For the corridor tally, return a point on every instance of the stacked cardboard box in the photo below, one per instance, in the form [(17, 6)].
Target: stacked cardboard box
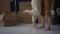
[(5, 5), (10, 20), (24, 5), (24, 18)]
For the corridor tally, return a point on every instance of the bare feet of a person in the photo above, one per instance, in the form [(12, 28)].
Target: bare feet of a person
[(48, 29), (49, 24), (42, 26), (34, 26)]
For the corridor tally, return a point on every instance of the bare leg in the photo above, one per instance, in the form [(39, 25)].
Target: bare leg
[(42, 22), (42, 16), (48, 6), (33, 21), (49, 23)]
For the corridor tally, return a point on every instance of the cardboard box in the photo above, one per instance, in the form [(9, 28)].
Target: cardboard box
[(4, 5), (1, 23), (24, 18), (10, 20), (24, 5), (4, 0)]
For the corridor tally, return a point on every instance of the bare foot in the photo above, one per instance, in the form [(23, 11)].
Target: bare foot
[(34, 26), (42, 27), (48, 29)]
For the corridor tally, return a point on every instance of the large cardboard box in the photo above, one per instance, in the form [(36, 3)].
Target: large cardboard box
[(10, 20), (24, 18), (24, 5), (4, 5), (1, 23), (5, 0)]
